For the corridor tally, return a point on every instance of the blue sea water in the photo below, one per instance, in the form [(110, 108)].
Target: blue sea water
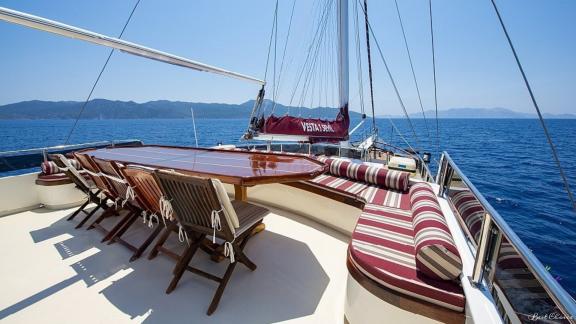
[(508, 160)]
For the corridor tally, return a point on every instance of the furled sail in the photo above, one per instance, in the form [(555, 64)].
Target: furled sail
[(315, 129)]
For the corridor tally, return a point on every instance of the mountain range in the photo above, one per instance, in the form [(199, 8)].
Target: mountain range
[(165, 109)]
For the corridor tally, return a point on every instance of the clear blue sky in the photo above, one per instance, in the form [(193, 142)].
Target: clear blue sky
[(475, 66)]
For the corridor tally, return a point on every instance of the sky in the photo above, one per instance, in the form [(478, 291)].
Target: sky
[(475, 67)]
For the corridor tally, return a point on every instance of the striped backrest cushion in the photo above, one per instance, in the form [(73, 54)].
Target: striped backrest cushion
[(389, 179), (470, 210), (436, 253), (49, 167)]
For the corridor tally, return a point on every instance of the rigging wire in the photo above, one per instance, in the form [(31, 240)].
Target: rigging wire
[(313, 63), (277, 89), (99, 76), (392, 80), (308, 55), (411, 66), (274, 22), (529, 88), (434, 77), (368, 29)]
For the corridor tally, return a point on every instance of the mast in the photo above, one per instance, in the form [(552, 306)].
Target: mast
[(343, 86)]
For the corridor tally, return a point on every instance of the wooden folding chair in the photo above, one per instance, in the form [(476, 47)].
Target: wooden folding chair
[(108, 190), (84, 185), (142, 180), (202, 208), (130, 201)]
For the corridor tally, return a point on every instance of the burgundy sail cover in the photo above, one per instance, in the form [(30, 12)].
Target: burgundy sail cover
[(317, 130)]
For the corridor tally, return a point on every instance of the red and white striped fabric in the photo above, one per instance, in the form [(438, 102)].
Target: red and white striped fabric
[(385, 197), (49, 167), (341, 184), (436, 252), (389, 179), (470, 210), (382, 248), (472, 213)]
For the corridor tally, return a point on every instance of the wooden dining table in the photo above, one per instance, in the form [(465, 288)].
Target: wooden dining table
[(241, 168)]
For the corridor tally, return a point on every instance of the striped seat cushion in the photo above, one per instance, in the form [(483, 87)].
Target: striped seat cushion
[(340, 184), (382, 248), (396, 180), (470, 210), (436, 252), (386, 197)]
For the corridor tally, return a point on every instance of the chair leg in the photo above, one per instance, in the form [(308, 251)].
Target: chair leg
[(81, 208), (146, 243), (121, 227), (183, 263), (242, 258), (220, 290), (109, 212), (167, 231), (239, 253), (88, 215)]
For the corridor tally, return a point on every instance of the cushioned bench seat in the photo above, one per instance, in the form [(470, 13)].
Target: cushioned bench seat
[(401, 241), (383, 249), (340, 184), (386, 197)]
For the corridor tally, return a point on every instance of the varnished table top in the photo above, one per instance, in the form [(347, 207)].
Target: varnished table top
[(243, 168)]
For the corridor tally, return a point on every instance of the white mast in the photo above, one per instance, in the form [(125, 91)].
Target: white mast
[(343, 52), (58, 28)]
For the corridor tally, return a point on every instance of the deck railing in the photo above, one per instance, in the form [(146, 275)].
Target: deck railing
[(31, 158), (522, 287)]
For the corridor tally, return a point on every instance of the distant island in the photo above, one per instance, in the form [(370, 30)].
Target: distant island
[(164, 109)]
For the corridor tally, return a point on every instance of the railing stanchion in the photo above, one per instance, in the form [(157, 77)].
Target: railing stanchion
[(482, 250)]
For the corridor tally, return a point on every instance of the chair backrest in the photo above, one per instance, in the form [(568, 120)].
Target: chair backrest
[(193, 200), (87, 164), (114, 179), (147, 190), (72, 173)]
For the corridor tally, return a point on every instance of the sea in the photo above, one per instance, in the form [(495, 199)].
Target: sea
[(508, 160)]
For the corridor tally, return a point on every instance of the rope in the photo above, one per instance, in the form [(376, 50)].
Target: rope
[(217, 226), (548, 137), (216, 223), (150, 220), (166, 209), (99, 76), (182, 235), (229, 251), (411, 65), (92, 173), (434, 75)]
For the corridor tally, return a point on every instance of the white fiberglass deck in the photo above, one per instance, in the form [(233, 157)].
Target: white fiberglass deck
[(53, 273)]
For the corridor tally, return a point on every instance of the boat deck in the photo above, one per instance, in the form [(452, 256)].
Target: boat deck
[(54, 273)]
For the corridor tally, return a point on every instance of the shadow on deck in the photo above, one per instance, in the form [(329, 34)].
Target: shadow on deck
[(289, 282)]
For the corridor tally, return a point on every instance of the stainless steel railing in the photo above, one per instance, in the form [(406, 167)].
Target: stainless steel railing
[(494, 231), (29, 158)]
